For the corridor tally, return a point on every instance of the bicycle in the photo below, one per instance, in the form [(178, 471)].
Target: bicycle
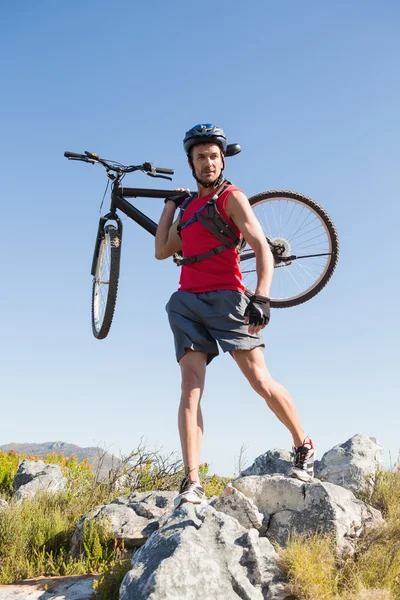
[(297, 229)]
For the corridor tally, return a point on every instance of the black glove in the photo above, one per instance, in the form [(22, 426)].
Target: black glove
[(258, 310), (178, 198)]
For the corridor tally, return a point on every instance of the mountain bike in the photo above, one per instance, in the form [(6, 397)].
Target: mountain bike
[(300, 233)]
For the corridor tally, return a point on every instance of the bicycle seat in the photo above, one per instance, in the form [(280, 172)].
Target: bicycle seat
[(232, 149)]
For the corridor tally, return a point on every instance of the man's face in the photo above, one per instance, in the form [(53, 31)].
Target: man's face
[(208, 162)]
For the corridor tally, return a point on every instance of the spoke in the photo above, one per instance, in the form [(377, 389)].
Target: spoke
[(289, 237), (303, 270), (314, 238), (273, 214), (309, 242), (308, 269), (318, 244), (305, 224), (268, 228)]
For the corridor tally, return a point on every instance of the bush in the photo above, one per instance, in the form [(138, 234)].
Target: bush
[(8, 468), (107, 588), (35, 536)]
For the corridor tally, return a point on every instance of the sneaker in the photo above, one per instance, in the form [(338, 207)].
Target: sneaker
[(190, 491), (303, 461)]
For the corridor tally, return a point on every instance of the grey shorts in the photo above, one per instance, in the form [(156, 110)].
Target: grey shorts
[(199, 321)]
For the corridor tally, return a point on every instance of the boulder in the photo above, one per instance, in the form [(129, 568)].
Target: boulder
[(289, 505), (202, 554), (353, 464), (130, 518), (237, 505), (273, 462), (35, 476)]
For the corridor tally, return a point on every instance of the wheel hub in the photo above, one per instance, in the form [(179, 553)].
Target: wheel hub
[(280, 247)]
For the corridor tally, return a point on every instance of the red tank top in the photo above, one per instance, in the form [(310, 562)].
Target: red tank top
[(219, 272)]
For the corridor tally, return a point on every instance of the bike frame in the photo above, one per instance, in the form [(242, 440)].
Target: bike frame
[(119, 201)]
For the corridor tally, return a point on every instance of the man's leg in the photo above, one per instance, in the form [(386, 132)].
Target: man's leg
[(190, 420), (252, 365)]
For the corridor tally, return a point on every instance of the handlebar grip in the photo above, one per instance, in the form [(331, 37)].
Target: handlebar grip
[(74, 155), (165, 171)]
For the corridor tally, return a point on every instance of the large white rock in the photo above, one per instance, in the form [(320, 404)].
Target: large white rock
[(291, 505), (352, 464), (131, 518), (34, 476), (202, 554)]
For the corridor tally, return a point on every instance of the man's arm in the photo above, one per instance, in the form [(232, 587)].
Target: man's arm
[(239, 210), (168, 242)]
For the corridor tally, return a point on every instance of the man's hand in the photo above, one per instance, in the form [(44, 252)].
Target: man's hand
[(257, 314), (179, 198)]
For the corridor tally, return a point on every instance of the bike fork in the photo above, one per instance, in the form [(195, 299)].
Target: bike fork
[(101, 234)]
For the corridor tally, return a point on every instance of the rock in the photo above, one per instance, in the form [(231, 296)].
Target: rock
[(202, 554), (77, 587), (272, 462), (131, 518), (237, 505), (292, 505), (352, 464), (3, 503), (35, 476)]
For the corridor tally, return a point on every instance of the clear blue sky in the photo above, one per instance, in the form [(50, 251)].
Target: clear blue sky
[(311, 91)]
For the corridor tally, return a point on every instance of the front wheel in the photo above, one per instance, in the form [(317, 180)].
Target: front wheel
[(304, 243), (105, 281)]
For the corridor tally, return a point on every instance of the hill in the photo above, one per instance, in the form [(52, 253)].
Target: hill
[(101, 460)]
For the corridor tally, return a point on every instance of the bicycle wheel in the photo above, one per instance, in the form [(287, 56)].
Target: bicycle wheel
[(105, 282), (304, 243)]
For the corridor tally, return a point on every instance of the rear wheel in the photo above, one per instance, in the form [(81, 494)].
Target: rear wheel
[(304, 243), (105, 281)]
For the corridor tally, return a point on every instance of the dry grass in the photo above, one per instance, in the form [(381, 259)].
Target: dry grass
[(316, 572)]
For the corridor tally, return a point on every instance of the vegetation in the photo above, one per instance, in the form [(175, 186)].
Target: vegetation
[(316, 572), (36, 534)]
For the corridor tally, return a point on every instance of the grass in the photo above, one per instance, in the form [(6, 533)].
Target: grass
[(316, 572), (35, 535)]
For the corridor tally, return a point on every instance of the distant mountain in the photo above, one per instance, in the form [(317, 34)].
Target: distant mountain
[(101, 460)]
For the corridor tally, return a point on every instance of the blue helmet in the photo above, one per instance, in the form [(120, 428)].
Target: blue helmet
[(203, 133)]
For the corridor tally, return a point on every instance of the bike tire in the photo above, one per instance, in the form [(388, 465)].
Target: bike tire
[(329, 233), (105, 288)]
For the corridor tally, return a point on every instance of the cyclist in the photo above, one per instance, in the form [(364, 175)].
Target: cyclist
[(211, 306)]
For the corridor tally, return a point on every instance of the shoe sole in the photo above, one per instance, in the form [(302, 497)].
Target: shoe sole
[(185, 501), (302, 475)]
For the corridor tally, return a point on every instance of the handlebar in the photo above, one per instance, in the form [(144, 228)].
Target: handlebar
[(74, 156), (146, 167), (166, 171)]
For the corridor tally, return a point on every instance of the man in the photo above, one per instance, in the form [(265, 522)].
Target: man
[(210, 305)]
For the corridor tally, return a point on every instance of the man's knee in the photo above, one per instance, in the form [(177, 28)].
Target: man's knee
[(262, 383), (193, 368)]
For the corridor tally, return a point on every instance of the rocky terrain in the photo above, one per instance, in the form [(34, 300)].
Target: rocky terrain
[(224, 548)]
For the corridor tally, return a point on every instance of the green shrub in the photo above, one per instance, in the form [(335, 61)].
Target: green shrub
[(35, 536), (107, 588), (8, 468)]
